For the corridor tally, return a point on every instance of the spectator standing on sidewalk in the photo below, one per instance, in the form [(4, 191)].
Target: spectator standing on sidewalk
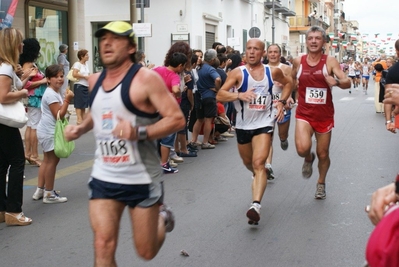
[(80, 88), (170, 75), (126, 104), (63, 61), (208, 85), (36, 86), (53, 105), (11, 146)]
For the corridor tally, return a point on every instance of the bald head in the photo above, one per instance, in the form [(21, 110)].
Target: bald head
[(258, 42)]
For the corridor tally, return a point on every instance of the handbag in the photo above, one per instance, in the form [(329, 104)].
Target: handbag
[(222, 120), (71, 77), (62, 147), (13, 114)]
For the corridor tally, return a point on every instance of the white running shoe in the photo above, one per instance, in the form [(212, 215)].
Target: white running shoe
[(253, 214), (38, 194), (52, 198)]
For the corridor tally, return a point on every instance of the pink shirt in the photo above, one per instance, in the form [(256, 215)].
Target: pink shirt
[(170, 78)]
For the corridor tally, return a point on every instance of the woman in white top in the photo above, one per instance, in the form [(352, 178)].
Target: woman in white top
[(80, 88), (11, 146)]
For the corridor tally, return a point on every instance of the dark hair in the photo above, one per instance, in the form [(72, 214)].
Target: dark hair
[(194, 59), (378, 67), (82, 53), (215, 63), (53, 70), (220, 49), (181, 47), (216, 44), (177, 59), (31, 51), (235, 61), (222, 58)]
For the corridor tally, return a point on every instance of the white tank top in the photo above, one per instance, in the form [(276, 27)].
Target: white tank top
[(258, 113), (118, 160)]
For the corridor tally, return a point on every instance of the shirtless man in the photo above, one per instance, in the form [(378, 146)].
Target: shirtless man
[(252, 95)]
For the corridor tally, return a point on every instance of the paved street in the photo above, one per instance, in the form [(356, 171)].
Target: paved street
[(210, 196)]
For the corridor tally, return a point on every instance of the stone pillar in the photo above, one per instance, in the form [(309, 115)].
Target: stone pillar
[(73, 29)]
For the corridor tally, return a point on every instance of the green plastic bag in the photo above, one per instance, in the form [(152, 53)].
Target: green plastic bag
[(62, 148)]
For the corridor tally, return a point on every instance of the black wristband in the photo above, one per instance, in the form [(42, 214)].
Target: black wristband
[(397, 185)]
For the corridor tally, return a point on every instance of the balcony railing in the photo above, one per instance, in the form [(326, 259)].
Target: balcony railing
[(304, 21), (279, 8)]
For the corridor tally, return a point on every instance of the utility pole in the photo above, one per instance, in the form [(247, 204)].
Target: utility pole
[(133, 12), (273, 27)]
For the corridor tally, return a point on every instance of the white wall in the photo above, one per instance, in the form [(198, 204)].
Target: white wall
[(165, 18)]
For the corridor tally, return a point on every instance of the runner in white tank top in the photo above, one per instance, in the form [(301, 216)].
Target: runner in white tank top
[(274, 55), (252, 96)]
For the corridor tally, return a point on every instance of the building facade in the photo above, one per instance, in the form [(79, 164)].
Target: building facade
[(200, 23)]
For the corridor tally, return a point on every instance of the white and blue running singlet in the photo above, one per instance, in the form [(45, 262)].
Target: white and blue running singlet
[(257, 113)]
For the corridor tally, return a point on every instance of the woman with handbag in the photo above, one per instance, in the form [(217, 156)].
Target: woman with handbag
[(52, 106), (11, 146), (36, 87), (80, 88)]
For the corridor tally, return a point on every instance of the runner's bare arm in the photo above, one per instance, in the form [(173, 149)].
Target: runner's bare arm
[(152, 90), (285, 80), (341, 80), (233, 79)]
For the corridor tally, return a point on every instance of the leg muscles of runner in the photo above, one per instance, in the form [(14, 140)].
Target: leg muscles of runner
[(303, 139), (149, 230), (323, 154), (245, 151), (260, 148), (105, 215), (283, 129)]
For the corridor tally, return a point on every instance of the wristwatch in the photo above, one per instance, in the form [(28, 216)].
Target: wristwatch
[(388, 122), (397, 186), (283, 101), (141, 133)]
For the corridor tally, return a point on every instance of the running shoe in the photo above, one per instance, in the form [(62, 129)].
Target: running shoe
[(320, 191), (53, 198), (167, 169), (253, 214), (38, 194), (284, 144), (307, 168), (269, 172), (168, 217), (207, 146)]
